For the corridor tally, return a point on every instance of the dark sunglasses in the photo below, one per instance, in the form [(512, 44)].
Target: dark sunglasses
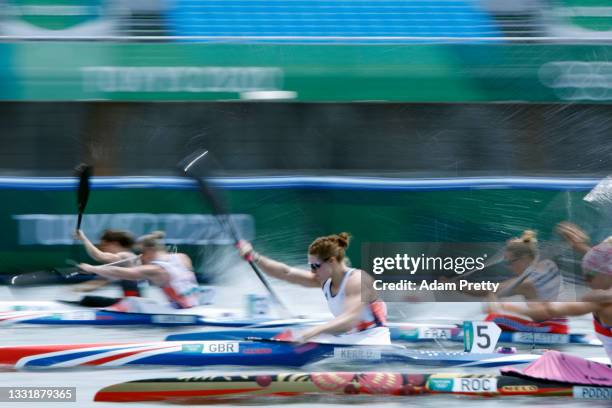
[(315, 266)]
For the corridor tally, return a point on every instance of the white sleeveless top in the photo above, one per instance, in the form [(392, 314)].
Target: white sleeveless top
[(182, 287), (336, 303), (546, 280)]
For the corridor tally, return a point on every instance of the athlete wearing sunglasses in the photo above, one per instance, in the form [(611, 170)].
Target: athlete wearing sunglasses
[(359, 317)]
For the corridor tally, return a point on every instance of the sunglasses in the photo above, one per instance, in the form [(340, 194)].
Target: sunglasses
[(589, 276), (315, 266)]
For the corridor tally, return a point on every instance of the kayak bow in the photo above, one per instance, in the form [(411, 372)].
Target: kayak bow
[(193, 354)]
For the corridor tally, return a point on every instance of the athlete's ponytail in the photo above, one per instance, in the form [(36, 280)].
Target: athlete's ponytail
[(330, 246), (526, 245), (154, 240)]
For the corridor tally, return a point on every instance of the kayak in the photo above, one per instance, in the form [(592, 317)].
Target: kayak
[(191, 389), (192, 354), (266, 330), (41, 313), (405, 332), (199, 316), (70, 313), (244, 353), (60, 313)]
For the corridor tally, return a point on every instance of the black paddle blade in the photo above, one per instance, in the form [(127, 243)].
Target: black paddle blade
[(37, 278), (198, 166), (83, 172)]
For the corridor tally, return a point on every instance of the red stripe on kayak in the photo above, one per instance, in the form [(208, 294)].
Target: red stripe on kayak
[(13, 316), (127, 396), (12, 354), (536, 390), (107, 359)]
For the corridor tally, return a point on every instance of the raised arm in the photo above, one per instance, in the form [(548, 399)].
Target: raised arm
[(278, 269), (95, 253), (574, 236)]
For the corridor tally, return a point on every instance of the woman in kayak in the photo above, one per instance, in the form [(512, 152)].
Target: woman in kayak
[(597, 270), (173, 273), (359, 316), (115, 246), (535, 281)]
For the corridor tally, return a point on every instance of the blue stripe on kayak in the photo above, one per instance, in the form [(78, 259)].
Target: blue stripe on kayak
[(257, 353), (49, 361), (103, 318), (250, 353), (281, 182)]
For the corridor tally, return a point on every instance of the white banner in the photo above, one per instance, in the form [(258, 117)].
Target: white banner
[(190, 229)]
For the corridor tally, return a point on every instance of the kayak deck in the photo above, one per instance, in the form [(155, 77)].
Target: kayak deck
[(205, 316), (243, 353), (403, 332), (37, 313), (192, 354), (373, 383)]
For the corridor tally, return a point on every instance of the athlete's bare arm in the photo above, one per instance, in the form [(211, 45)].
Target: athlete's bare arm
[(288, 273), (278, 269), (95, 253), (548, 310), (154, 273)]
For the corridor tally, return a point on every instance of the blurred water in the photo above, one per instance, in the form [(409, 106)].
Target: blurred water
[(301, 301)]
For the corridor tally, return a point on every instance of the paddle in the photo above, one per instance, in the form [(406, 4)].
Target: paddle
[(222, 215), (83, 172), (269, 340), (52, 275), (37, 278), (120, 261)]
